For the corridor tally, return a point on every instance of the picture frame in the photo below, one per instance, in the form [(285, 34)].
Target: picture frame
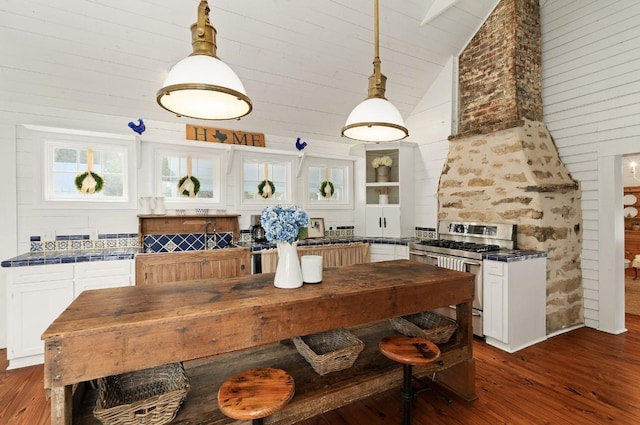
[(316, 228)]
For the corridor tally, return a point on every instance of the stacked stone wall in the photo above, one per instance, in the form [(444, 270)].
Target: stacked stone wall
[(516, 176)]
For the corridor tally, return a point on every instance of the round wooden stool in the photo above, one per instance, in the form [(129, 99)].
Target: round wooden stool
[(410, 351), (255, 394)]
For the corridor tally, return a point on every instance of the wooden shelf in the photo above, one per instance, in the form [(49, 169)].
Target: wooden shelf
[(372, 373)]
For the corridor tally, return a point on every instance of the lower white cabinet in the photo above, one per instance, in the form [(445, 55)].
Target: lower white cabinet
[(384, 252), (36, 295), (103, 274), (514, 303)]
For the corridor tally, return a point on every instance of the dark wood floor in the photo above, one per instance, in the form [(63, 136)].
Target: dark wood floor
[(581, 377)]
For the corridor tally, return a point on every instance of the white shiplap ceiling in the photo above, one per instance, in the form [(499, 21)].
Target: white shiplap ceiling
[(304, 63)]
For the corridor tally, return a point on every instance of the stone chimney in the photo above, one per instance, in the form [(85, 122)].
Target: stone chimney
[(503, 166)]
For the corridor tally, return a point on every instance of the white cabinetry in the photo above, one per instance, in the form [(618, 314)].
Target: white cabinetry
[(514, 303), (396, 205), (383, 221), (36, 295), (384, 252), (103, 274)]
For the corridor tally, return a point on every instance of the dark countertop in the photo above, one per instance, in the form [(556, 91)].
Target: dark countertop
[(510, 255), (258, 246), (38, 258)]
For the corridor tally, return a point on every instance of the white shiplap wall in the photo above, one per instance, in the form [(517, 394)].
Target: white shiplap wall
[(591, 87), (430, 126)]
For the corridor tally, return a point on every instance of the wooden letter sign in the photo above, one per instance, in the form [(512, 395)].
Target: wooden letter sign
[(220, 135)]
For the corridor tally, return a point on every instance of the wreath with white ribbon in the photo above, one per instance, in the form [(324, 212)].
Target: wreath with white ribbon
[(188, 185), (326, 189), (89, 182), (266, 188)]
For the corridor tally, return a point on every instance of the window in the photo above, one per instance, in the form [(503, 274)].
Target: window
[(85, 169), (338, 175), (176, 169), (68, 161), (257, 172)]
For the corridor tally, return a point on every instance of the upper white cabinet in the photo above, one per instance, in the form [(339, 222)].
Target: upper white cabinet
[(385, 190), (383, 221)]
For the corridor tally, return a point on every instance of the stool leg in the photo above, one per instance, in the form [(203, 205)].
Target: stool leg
[(258, 421), (407, 394)]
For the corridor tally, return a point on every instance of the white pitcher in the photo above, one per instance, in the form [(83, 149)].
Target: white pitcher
[(146, 204), (158, 206)]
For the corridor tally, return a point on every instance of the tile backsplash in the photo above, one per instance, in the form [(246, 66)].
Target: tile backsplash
[(84, 242)]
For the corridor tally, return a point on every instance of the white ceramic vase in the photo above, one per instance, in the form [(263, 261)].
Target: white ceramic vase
[(288, 272), (383, 199)]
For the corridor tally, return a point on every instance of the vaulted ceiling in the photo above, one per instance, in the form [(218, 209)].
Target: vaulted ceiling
[(304, 63)]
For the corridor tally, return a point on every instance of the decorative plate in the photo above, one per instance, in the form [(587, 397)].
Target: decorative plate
[(630, 212), (629, 199)]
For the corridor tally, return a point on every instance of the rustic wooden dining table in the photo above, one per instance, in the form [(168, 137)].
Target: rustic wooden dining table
[(111, 331)]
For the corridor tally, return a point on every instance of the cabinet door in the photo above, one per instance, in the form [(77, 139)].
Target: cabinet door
[(373, 222), (494, 293), (32, 307), (226, 263), (170, 267), (383, 221)]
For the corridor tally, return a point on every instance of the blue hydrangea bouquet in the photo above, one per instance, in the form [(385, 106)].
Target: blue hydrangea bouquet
[(284, 224)]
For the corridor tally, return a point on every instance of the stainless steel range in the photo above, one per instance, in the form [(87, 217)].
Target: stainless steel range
[(461, 246)]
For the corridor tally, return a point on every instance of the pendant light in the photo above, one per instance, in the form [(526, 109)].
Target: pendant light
[(375, 119), (201, 85)]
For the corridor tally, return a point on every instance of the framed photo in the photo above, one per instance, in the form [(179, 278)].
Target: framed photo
[(316, 228)]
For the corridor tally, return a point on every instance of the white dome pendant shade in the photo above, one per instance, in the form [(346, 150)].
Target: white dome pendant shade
[(375, 119), (201, 85)]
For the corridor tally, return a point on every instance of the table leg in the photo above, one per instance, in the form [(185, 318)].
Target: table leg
[(61, 405), (635, 272)]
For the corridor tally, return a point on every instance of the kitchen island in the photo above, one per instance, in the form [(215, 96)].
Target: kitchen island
[(112, 331)]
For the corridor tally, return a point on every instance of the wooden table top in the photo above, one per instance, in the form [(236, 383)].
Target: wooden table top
[(109, 331)]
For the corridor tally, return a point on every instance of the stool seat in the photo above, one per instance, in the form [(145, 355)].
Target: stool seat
[(410, 350), (255, 393)]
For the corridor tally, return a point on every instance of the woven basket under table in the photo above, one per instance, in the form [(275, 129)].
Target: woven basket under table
[(329, 351), (145, 397), (428, 324)]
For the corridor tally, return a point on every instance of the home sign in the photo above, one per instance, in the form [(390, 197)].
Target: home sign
[(221, 135)]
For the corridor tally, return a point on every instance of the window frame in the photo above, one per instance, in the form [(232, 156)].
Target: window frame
[(255, 157), (47, 139), (320, 161), (219, 177)]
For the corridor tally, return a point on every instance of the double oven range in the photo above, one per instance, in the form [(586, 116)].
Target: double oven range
[(461, 246)]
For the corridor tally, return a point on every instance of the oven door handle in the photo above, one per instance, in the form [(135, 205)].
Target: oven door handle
[(464, 260)]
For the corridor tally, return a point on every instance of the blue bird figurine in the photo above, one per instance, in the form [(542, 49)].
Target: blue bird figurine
[(138, 128), (300, 144)]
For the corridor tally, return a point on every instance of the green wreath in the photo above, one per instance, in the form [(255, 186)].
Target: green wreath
[(323, 186), (79, 180), (196, 185), (261, 186)]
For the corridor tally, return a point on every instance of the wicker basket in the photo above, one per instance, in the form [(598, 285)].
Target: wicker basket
[(330, 351), (428, 324), (146, 397)]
